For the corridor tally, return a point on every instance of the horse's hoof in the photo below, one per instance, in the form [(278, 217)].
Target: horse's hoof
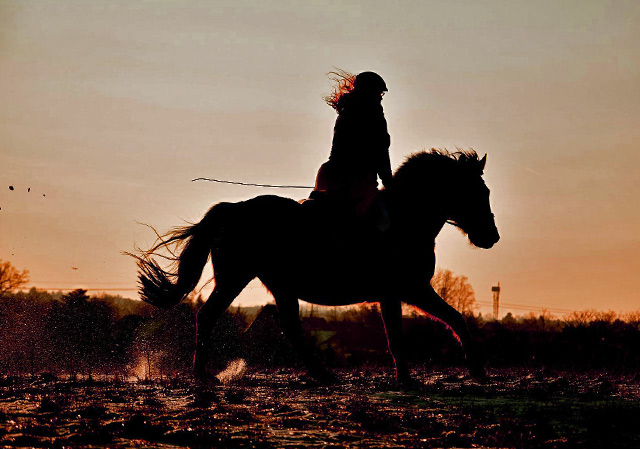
[(409, 384), (203, 377), (208, 382), (203, 398), (479, 374), (325, 377)]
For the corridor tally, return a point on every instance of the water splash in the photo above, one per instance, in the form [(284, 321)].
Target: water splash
[(140, 371), (233, 372)]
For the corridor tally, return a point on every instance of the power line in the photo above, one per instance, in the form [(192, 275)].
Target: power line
[(534, 306), (528, 308), (112, 289), (71, 282), (508, 305), (123, 289)]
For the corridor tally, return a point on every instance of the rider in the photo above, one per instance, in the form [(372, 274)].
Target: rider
[(360, 148)]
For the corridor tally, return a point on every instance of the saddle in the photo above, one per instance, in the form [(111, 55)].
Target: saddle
[(346, 217)]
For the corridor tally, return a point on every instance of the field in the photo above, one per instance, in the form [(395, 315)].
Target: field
[(282, 409)]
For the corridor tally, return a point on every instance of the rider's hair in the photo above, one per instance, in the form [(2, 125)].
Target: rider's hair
[(344, 82)]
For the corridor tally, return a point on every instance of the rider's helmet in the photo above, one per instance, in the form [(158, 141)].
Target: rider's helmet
[(369, 82)]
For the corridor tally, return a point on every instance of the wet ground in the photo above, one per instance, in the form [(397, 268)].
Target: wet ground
[(281, 409)]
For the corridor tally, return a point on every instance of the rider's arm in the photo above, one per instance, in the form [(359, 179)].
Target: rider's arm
[(384, 163)]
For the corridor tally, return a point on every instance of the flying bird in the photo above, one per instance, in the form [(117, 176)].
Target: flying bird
[(10, 187)]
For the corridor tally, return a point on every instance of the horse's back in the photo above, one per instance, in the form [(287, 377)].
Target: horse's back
[(269, 214), (255, 226), (273, 203), (258, 211)]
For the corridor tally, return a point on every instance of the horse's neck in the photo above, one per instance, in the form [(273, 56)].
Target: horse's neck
[(416, 216)]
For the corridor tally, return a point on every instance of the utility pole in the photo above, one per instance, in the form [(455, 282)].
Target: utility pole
[(496, 300)]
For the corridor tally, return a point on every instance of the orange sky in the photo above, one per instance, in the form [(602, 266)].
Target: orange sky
[(111, 108)]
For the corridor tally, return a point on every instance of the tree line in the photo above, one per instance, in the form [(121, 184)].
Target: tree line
[(74, 334), (77, 335)]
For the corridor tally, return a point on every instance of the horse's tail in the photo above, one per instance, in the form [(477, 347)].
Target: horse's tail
[(164, 288)]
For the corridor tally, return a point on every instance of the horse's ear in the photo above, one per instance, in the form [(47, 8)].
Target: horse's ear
[(483, 161)]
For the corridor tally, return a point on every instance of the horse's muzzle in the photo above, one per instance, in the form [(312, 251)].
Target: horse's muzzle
[(485, 240)]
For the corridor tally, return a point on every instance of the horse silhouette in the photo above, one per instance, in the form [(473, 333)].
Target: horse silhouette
[(300, 253)]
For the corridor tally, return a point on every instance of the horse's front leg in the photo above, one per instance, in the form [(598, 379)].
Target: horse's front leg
[(392, 316), (289, 311), (430, 302)]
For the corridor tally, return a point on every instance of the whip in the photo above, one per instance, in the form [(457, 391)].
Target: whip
[(275, 186)]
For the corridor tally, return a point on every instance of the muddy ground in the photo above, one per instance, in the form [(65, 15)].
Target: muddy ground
[(281, 409)]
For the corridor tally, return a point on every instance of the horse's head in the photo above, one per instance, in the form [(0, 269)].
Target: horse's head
[(452, 186), (469, 208)]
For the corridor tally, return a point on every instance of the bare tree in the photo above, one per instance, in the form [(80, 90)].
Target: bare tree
[(580, 317), (456, 290), (10, 278)]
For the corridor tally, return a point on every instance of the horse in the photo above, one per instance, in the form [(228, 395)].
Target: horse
[(300, 253)]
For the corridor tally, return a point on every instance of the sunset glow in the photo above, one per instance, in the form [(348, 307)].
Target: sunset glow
[(108, 110)]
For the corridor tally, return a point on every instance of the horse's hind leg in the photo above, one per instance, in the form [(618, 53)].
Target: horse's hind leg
[(223, 294), (430, 302), (289, 311)]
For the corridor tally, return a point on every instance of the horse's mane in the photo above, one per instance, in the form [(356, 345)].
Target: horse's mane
[(437, 164)]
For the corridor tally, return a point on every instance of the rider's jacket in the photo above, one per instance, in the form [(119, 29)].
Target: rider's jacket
[(359, 152), (361, 142)]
